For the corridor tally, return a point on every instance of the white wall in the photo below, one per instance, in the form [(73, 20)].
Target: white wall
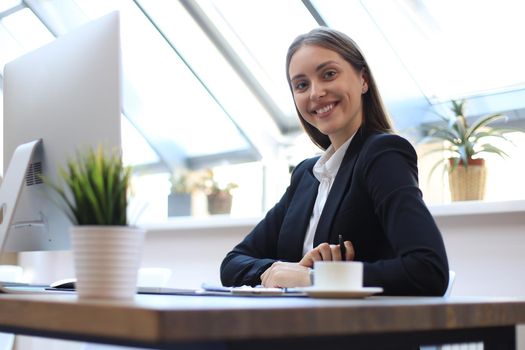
[(487, 251), (193, 254)]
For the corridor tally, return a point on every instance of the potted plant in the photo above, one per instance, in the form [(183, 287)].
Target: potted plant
[(179, 199), (463, 147), (106, 249), (218, 195)]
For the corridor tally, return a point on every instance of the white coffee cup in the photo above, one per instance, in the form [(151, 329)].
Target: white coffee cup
[(338, 275)]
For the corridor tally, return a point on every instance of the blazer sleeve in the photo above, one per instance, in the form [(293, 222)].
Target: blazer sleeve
[(258, 250), (420, 265)]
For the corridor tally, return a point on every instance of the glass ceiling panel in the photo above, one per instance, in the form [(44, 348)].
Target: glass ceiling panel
[(21, 32), (161, 95), (260, 32), (10, 47), (220, 78), (456, 48), (135, 149), (60, 16), (8, 4)]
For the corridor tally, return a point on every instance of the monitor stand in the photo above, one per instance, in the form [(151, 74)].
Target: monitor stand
[(10, 189)]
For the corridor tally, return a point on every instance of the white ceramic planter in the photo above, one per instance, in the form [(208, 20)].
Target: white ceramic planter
[(107, 259)]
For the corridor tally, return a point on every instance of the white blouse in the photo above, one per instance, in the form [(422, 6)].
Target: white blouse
[(325, 171)]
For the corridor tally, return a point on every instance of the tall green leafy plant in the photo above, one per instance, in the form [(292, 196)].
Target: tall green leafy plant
[(462, 141), (96, 188)]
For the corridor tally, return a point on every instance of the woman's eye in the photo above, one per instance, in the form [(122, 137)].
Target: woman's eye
[(329, 74), (300, 85)]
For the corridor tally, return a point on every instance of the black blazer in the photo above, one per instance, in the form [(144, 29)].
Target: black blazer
[(374, 202)]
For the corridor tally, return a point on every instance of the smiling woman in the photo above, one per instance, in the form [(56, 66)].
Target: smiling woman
[(350, 62), (363, 191), (327, 92)]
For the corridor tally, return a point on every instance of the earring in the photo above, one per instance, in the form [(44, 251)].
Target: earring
[(364, 90)]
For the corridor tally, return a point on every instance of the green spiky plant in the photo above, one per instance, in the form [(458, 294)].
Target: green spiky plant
[(463, 142), (96, 188)]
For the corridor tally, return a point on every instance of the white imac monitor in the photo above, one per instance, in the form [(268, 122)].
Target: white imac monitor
[(68, 94)]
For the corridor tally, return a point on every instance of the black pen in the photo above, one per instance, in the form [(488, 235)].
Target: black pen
[(342, 247)]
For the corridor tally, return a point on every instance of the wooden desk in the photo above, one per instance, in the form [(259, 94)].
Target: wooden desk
[(201, 322)]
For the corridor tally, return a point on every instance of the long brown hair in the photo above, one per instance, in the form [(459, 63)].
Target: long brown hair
[(375, 117)]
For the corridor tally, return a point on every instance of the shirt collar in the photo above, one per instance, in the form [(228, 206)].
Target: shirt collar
[(329, 163)]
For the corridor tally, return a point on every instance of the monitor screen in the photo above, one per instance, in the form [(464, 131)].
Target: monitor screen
[(68, 94)]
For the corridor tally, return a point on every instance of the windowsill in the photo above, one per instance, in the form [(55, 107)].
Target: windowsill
[(455, 209), (188, 223), (476, 208)]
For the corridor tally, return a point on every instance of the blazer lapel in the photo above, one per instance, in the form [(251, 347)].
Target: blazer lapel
[(293, 229), (339, 188)]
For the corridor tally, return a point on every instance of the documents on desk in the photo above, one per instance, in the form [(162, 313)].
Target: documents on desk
[(250, 291)]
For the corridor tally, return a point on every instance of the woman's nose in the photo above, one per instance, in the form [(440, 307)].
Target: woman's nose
[(317, 91)]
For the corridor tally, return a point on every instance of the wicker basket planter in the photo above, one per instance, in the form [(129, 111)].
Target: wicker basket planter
[(468, 183), (219, 203)]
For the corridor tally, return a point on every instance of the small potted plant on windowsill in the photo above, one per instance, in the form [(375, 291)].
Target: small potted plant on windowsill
[(463, 147), (219, 196), (179, 199), (106, 249)]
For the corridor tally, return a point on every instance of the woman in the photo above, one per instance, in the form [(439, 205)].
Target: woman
[(364, 187)]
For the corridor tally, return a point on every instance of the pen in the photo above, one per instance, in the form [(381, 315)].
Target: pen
[(342, 247)]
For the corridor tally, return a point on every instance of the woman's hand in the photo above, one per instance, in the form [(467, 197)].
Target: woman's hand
[(285, 275), (327, 252)]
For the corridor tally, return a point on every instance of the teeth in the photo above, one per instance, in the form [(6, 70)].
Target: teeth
[(325, 109)]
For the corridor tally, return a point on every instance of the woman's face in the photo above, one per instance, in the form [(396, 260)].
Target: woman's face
[(327, 91)]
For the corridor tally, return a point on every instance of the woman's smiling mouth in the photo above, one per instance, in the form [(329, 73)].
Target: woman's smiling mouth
[(325, 110)]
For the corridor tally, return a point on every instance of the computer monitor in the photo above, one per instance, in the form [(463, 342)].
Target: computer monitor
[(68, 95)]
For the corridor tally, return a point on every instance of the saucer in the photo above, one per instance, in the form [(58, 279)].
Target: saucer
[(316, 292)]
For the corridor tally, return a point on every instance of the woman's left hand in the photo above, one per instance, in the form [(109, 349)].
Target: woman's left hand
[(327, 252), (285, 275)]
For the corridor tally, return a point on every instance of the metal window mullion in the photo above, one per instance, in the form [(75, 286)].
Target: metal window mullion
[(315, 14), (12, 10), (40, 18), (235, 61)]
